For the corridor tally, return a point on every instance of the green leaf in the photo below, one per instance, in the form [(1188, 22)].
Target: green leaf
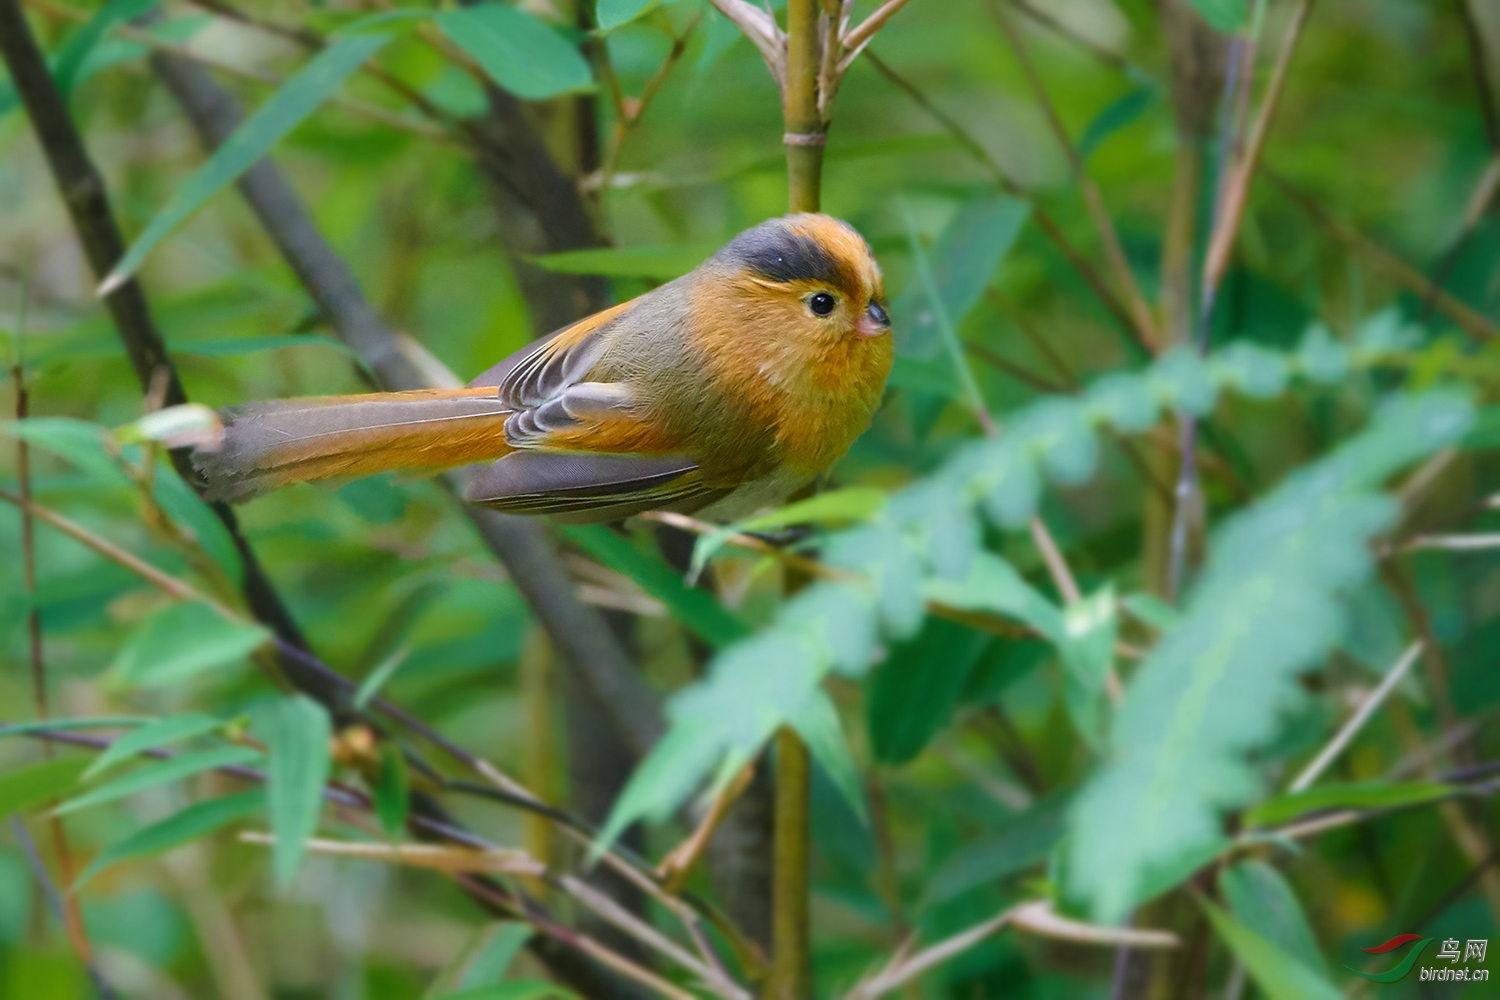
[(1151, 610), (198, 521), (516, 989), (377, 678), (83, 444), (915, 692), (1280, 974), (233, 347), (1359, 795), (392, 791), (24, 789), (66, 70), (1226, 15), (1262, 901), (613, 13), (159, 773), (994, 585), (496, 949), (1022, 841), (849, 505), (818, 724), (963, 262), (1087, 645), (288, 107), (181, 641), (1121, 112), (193, 823), (154, 734), (520, 53), (297, 736), (697, 609), (1216, 686), (651, 263), (67, 725)]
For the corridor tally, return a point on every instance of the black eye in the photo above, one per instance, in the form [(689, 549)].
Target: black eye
[(822, 303)]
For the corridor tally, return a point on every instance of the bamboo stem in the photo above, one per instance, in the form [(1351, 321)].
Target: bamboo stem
[(791, 964), (805, 128)]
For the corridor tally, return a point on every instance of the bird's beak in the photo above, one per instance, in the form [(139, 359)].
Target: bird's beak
[(874, 321)]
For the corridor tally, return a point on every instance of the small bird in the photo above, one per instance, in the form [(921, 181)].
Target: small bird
[(719, 393)]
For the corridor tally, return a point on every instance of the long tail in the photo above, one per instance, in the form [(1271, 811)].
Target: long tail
[(279, 442)]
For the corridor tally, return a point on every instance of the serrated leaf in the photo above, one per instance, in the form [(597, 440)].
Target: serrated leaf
[(994, 585), (1263, 902), (1253, 370), (817, 722), (23, 789), (193, 823), (269, 124), (697, 609), (1215, 687), (1087, 645), (1274, 970), (159, 773), (1058, 433), (182, 641), (1321, 357), (1123, 399), (914, 693), (297, 735), (1184, 381), (154, 734), (517, 51)]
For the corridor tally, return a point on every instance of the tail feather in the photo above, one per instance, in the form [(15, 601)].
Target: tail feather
[(279, 442)]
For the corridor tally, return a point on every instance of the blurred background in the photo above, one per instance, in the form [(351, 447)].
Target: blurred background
[(474, 217)]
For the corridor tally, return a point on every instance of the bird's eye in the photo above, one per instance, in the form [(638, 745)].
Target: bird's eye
[(822, 303)]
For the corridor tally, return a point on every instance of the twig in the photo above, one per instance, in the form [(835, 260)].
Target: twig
[(1114, 253), (59, 904), (680, 861), (1037, 917), (496, 861), (1469, 320), (1452, 543), (1356, 721), (1062, 30), (856, 39)]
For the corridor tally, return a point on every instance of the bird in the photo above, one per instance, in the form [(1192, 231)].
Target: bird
[(718, 394)]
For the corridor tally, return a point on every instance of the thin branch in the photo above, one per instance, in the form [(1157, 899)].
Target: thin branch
[(1037, 917), (1356, 721), (1114, 253), (495, 861), (760, 27), (855, 40)]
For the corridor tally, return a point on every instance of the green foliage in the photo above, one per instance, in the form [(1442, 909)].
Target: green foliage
[(156, 733), (270, 123), (1360, 795), (191, 823), (520, 53), (1279, 973), (164, 772), (23, 789), (1263, 902), (1214, 689), (922, 546), (297, 734), (181, 641)]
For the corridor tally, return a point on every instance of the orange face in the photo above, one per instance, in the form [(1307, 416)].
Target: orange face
[(795, 323)]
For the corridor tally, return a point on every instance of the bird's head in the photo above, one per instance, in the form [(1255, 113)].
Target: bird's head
[(809, 275)]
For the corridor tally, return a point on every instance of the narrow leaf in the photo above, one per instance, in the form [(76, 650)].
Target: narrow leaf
[(377, 678), (158, 733), (392, 791), (194, 822), (495, 953), (915, 692), (1358, 795), (162, 773), (1280, 974), (651, 263), (1263, 902), (613, 13), (818, 724), (182, 641), (31, 786), (520, 53), (288, 107), (297, 736), (697, 609)]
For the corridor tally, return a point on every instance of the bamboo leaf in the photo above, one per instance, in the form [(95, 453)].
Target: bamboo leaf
[(273, 121), (36, 784), (193, 823), (1280, 974), (517, 51), (160, 773), (154, 734), (1359, 795), (297, 736), (182, 641)]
